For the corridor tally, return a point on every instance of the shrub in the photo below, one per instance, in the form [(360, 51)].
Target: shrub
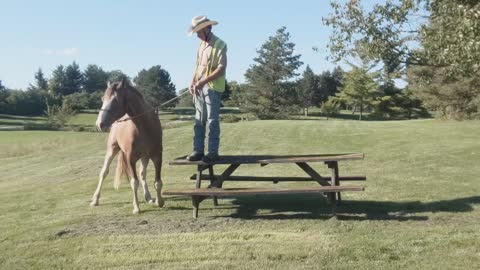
[(58, 116)]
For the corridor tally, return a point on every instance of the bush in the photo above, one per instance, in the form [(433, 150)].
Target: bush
[(230, 118), (83, 100), (18, 102), (330, 107), (58, 116)]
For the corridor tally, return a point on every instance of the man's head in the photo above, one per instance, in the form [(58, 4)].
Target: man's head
[(202, 26), (204, 33)]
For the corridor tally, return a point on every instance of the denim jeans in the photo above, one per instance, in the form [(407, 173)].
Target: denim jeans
[(207, 107)]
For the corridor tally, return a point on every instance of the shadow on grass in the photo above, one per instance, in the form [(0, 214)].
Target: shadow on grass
[(315, 207)]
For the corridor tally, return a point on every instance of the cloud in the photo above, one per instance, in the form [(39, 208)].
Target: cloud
[(63, 52)]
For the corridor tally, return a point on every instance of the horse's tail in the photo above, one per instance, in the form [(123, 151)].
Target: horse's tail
[(121, 165)]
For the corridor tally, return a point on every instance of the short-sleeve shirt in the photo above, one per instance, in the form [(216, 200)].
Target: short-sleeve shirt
[(205, 54)]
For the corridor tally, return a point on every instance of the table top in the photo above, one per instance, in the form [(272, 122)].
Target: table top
[(267, 159)]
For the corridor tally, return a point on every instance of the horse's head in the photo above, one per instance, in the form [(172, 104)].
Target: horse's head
[(114, 104)]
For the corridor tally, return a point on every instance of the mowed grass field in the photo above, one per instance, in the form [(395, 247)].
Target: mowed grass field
[(420, 210)]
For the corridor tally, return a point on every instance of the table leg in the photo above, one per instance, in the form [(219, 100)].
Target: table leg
[(198, 182), (335, 197), (212, 180), (196, 205), (337, 182)]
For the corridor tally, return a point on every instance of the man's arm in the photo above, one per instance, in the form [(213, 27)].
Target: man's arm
[(218, 72)]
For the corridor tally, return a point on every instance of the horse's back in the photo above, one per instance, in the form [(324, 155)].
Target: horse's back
[(132, 138)]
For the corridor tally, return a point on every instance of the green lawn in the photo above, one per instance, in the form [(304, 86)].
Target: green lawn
[(420, 210)]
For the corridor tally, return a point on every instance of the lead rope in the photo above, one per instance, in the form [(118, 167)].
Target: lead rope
[(152, 109)]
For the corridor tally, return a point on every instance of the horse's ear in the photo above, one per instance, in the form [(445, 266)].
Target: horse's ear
[(109, 84)]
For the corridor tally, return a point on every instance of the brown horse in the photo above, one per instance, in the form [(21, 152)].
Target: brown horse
[(136, 134)]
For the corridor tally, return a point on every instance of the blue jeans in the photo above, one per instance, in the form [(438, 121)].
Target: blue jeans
[(207, 107)]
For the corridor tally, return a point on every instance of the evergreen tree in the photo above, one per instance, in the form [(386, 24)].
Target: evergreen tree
[(156, 86), (3, 98), (95, 79), (359, 89), (40, 82), (308, 86), (116, 75), (57, 82), (268, 94), (73, 79)]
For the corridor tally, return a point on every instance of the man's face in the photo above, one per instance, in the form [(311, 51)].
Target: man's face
[(203, 34)]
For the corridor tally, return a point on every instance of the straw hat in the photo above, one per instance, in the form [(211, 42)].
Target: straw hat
[(198, 23)]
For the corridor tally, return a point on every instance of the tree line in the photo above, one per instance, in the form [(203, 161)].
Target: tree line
[(71, 87), (432, 45)]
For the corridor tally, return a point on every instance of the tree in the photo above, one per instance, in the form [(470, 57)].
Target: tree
[(359, 88), (395, 103), (117, 75), (3, 98), (451, 98), (237, 96), (268, 94), (95, 79), (227, 93), (156, 86), (429, 38), (58, 81), (329, 83), (40, 82), (185, 100), (308, 86), (330, 107), (73, 79)]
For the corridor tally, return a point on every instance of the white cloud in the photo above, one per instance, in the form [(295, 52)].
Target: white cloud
[(63, 52)]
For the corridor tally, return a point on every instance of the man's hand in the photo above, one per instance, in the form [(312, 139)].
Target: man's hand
[(191, 89), (199, 86)]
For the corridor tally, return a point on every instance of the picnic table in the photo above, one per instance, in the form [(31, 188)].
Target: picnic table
[(328, 185)]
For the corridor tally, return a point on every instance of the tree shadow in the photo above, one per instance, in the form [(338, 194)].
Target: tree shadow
[(316, 207)]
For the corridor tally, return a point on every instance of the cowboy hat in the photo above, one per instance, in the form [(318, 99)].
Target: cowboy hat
[(198, 23)]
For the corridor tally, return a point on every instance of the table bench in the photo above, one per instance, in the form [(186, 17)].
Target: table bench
[(329, 185)]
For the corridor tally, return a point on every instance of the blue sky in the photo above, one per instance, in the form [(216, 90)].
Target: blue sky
[(133, 35)]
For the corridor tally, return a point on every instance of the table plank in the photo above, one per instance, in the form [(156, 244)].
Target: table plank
[(266, 159), (259, 191)]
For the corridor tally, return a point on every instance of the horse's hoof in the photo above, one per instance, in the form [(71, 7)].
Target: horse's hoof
[(92, 204), (152, 200), (136, 211), (160, 203)]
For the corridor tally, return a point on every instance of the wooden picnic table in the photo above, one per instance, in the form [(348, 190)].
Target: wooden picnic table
[(328, 185)]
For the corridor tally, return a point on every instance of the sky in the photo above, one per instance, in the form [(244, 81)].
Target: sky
[(130, 35)]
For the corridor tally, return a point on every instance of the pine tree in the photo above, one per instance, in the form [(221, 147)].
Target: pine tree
[(73, 79), (57, 82), (156, 86), (40, 82), (359, 89), (307, 87), (269, 95), (95, 79)]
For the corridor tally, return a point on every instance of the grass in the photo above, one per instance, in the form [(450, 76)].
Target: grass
[(420, 209)]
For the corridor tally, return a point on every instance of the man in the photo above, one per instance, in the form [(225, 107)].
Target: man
[(207, 85)]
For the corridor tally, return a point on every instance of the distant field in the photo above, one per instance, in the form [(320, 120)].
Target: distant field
[(86, 119), (420, 210)]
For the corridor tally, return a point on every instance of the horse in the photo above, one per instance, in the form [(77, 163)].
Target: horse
[(135, 134)]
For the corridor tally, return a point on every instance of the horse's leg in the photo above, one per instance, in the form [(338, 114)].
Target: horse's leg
[(143, 181), (112, 151), (158, 181), (134, 184)]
